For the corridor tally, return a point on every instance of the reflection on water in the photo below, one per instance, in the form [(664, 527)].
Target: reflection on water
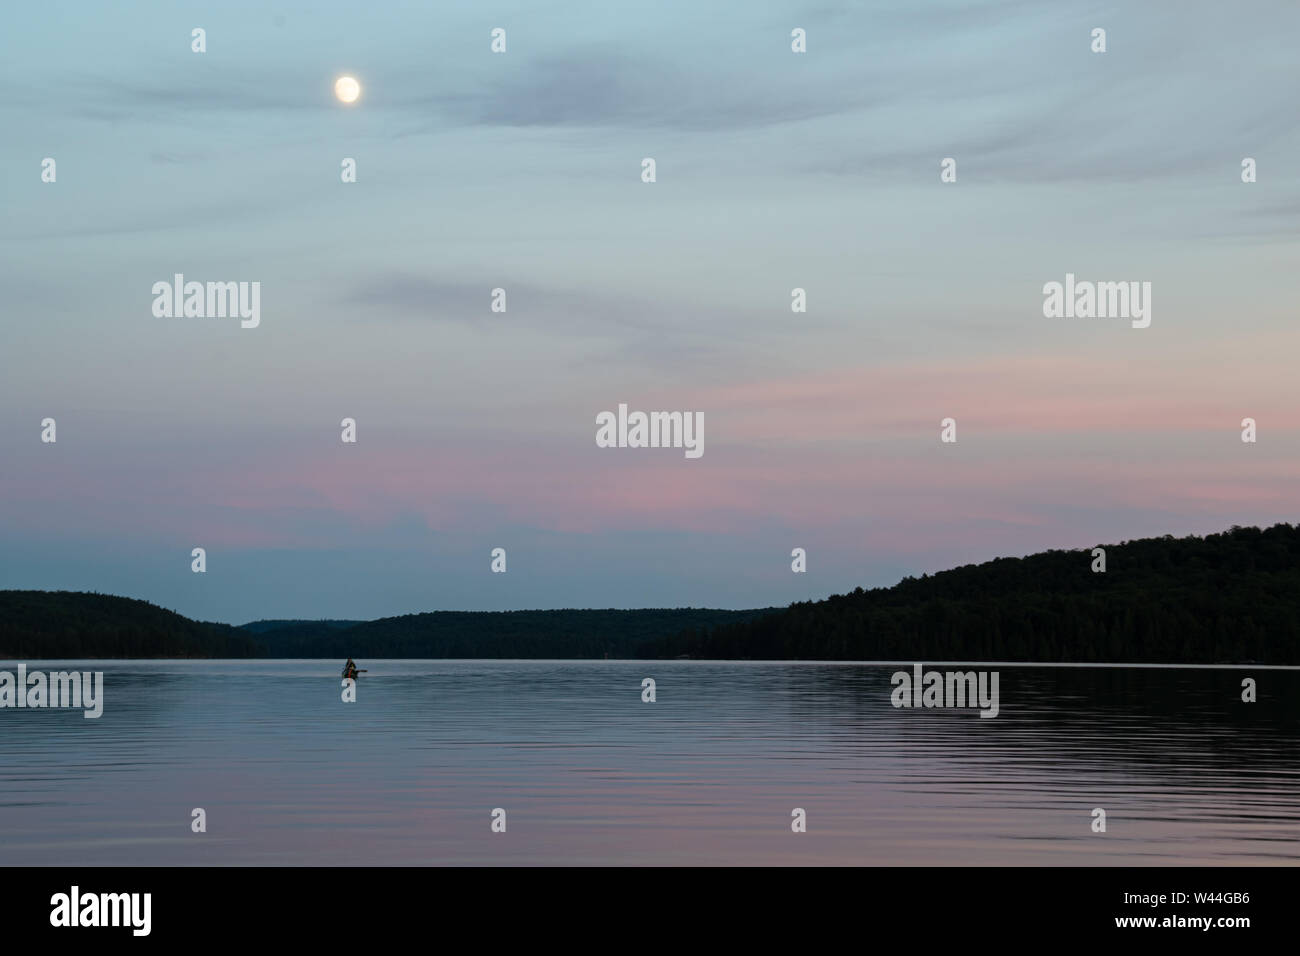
[(588, 774)]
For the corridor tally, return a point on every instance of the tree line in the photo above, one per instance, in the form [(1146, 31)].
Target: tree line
[(1230, 597)]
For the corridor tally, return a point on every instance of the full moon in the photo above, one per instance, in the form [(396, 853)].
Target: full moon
[(347, 89)]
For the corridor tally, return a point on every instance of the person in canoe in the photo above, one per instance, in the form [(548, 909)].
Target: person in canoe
[(350, 671)]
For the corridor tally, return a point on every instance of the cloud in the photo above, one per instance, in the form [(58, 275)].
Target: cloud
[(593, 88), (677, 336)]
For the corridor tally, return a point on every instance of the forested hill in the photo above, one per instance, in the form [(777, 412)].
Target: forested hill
[(70, 624), (501, 634), (74, 624), (1231, 597)]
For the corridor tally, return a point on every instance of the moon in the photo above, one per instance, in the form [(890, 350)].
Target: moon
[(347, 89)]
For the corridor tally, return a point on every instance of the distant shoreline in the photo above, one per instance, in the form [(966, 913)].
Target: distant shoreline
[(1222, 599), (1083, 665)]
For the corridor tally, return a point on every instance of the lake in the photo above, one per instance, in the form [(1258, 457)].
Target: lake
[(709, 773)]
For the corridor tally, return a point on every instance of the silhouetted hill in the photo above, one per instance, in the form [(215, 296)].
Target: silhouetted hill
[(502, 634), (72, 624), (1231, 597), (261, 627)]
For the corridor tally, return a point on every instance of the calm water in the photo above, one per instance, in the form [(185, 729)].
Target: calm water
[(588, 774)]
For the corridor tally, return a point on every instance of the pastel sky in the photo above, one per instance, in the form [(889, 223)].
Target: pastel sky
[(522, 170)]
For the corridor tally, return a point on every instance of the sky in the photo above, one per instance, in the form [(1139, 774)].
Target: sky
[(522, 170)]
